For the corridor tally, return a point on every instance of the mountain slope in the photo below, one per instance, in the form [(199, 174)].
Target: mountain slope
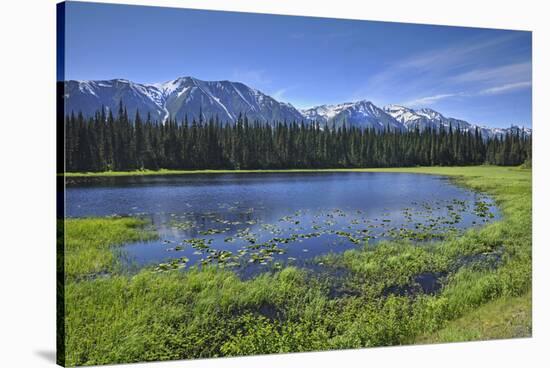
[(423, 118), (188, 97), (362, 114), (179, 98), (427, 118), (89, 96)]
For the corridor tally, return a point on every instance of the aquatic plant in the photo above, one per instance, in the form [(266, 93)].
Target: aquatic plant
[(363, 302)]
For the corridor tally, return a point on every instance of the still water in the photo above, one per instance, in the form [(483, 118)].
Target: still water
[(262, 221)]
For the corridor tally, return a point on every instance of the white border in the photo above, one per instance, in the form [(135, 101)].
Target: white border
[(27, 205)]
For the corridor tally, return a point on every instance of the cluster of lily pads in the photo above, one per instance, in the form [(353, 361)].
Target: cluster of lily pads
[(237, 239)]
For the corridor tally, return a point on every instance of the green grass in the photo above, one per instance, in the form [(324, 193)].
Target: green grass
[(453, 171), (506, 317), (184, 172), (211, 312), (89, 243)]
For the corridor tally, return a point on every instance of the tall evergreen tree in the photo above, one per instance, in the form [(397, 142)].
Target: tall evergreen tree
[(106, 142)]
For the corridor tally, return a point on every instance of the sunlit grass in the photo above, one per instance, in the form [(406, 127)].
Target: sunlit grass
[(505, 317), (211, 312), (89, 242), (499, 171)]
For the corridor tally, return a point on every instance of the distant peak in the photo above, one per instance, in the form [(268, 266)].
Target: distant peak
[(396, 107), (362, 102), (427, 110), (228, 98)]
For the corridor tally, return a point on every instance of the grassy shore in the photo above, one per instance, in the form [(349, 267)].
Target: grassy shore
[(452, 171), (211, 312), (188, 172), (504, 317), (89, 242)]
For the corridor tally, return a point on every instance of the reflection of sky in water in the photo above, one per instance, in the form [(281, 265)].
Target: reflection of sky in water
[(262, 207)]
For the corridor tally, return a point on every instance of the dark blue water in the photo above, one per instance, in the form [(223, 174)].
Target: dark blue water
[(262, 221)]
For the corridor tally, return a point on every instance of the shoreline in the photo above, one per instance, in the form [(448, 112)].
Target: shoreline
[(476, 302), (162, 172)]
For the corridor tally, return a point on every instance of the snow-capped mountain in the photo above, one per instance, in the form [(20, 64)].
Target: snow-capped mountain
[(427, 118), (185, 96), (89, 96), (190, 97), (360, 114), (424, 118)]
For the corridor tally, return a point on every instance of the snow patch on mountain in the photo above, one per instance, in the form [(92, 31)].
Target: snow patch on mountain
[(359, 114), (191, 98)]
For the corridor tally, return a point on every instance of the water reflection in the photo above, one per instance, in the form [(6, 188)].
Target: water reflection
[(260, 221)]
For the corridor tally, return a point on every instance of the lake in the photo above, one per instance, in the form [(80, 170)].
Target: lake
[(258, 222)]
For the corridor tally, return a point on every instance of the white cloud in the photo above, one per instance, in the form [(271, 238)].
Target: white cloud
[(431, 73), (502, 74), (428, 100), (435, 63), (505, 88), (456, 55)]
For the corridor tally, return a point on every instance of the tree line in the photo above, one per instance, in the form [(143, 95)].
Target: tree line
[(108, 142)]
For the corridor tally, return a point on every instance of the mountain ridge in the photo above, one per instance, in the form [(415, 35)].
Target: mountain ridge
[(192, 98)]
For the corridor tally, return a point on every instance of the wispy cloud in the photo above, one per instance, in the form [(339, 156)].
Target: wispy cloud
[(503, 73), (260, 79), (506, 88), (425, 78), (453, 56), (279, 94), (436, 63), (428, 100), (256, 78)]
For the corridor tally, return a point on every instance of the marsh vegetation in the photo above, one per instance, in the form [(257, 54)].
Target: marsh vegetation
[(396, 283), (256, 221)]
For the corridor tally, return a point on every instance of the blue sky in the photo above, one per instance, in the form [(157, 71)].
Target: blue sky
[(480, 75)]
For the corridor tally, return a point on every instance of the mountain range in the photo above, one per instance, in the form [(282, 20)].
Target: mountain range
[(190, 97)]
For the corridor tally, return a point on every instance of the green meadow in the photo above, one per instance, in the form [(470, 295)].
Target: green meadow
[(366, 297)]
